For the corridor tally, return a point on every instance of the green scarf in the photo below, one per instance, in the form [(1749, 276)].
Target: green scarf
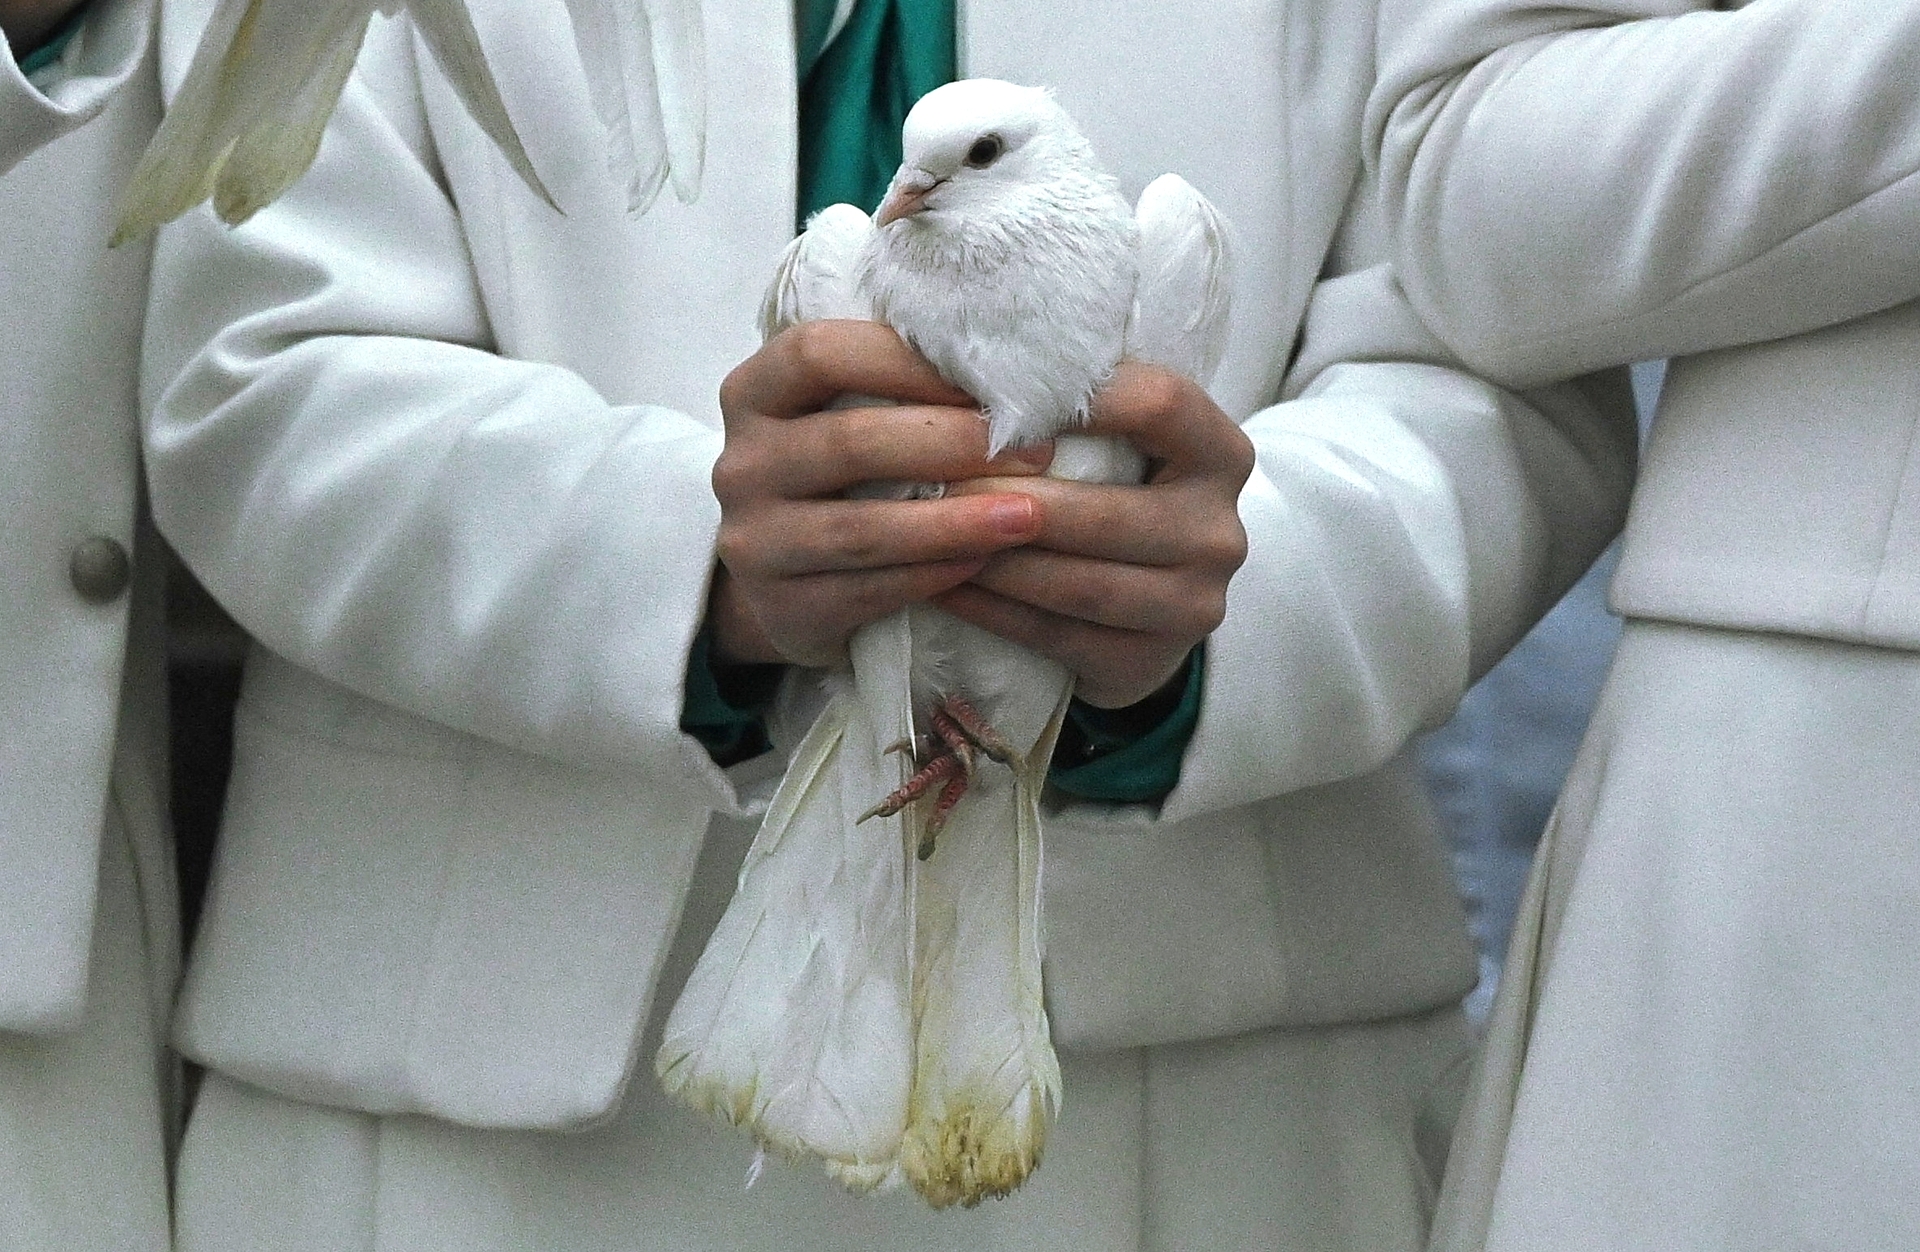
[(855, 92), (56, 44)]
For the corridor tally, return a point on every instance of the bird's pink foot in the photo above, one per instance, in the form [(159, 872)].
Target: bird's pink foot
[(937, 820), (945, 759), (941, 769), (976, 728), (953, 740)]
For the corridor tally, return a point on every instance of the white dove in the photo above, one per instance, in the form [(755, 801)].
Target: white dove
[(873, 994), (264, 81)]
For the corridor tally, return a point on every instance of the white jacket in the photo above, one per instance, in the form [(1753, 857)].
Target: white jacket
[(1736, 186), (81, 665), (446, 454)]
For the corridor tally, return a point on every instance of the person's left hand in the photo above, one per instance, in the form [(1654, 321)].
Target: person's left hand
[(1123, 581)]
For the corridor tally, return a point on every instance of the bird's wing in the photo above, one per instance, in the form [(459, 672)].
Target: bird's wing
[(616, 50), (447, 29), (646, 70), (279, 135), (249, 116), (819, 274), (182, 163), (680, 68), (1184, 299)]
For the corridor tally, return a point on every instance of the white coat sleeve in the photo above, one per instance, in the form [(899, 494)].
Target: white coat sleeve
[(109, 49), (371, 491), (1407, 522), (1602, 181)]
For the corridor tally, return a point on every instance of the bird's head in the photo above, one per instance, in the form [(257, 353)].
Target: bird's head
[(980, 148)]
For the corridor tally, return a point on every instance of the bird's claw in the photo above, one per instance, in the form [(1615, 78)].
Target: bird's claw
[(975, 728), (940, 769), (917, 748), (947, 758), (937, 820)]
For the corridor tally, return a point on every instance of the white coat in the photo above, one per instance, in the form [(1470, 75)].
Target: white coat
[(1770, 247), (1706, 1037), (445, 454), (70, 348), (88, 940)]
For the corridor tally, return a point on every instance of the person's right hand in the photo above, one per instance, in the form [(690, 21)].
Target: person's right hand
[(801, 567)]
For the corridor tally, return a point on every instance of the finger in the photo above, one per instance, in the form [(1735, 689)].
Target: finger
[(1052, 635), (804, 367), (1115, 668), (1106, 593), (826, 453), (1159, 524), (844, 601), (837, 535), (738, 635), (1172, 420)]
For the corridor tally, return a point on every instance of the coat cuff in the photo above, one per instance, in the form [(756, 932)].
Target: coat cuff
[(726, 706), (1106, 754)]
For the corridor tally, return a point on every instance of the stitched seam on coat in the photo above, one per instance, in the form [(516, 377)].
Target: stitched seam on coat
[(1902, 492), (118, 808), (430, 974), (1143, 1176)]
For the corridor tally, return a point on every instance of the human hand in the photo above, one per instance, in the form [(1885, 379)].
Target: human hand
[(802, 568), (1123, 580), (27, 23)]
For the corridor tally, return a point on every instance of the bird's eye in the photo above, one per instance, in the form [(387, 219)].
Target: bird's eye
[(985, 151)]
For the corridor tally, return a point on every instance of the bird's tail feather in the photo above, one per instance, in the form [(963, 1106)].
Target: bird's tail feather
[(858, 1005), (796, 1023), (986, 1081)]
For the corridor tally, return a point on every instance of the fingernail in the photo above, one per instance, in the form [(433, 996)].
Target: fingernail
[(1034, 456), (1013, 516)]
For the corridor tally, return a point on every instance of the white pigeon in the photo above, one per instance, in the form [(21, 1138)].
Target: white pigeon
[(872, 996), (267, 74)]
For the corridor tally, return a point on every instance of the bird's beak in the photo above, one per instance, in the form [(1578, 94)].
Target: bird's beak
[(906, 196)]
